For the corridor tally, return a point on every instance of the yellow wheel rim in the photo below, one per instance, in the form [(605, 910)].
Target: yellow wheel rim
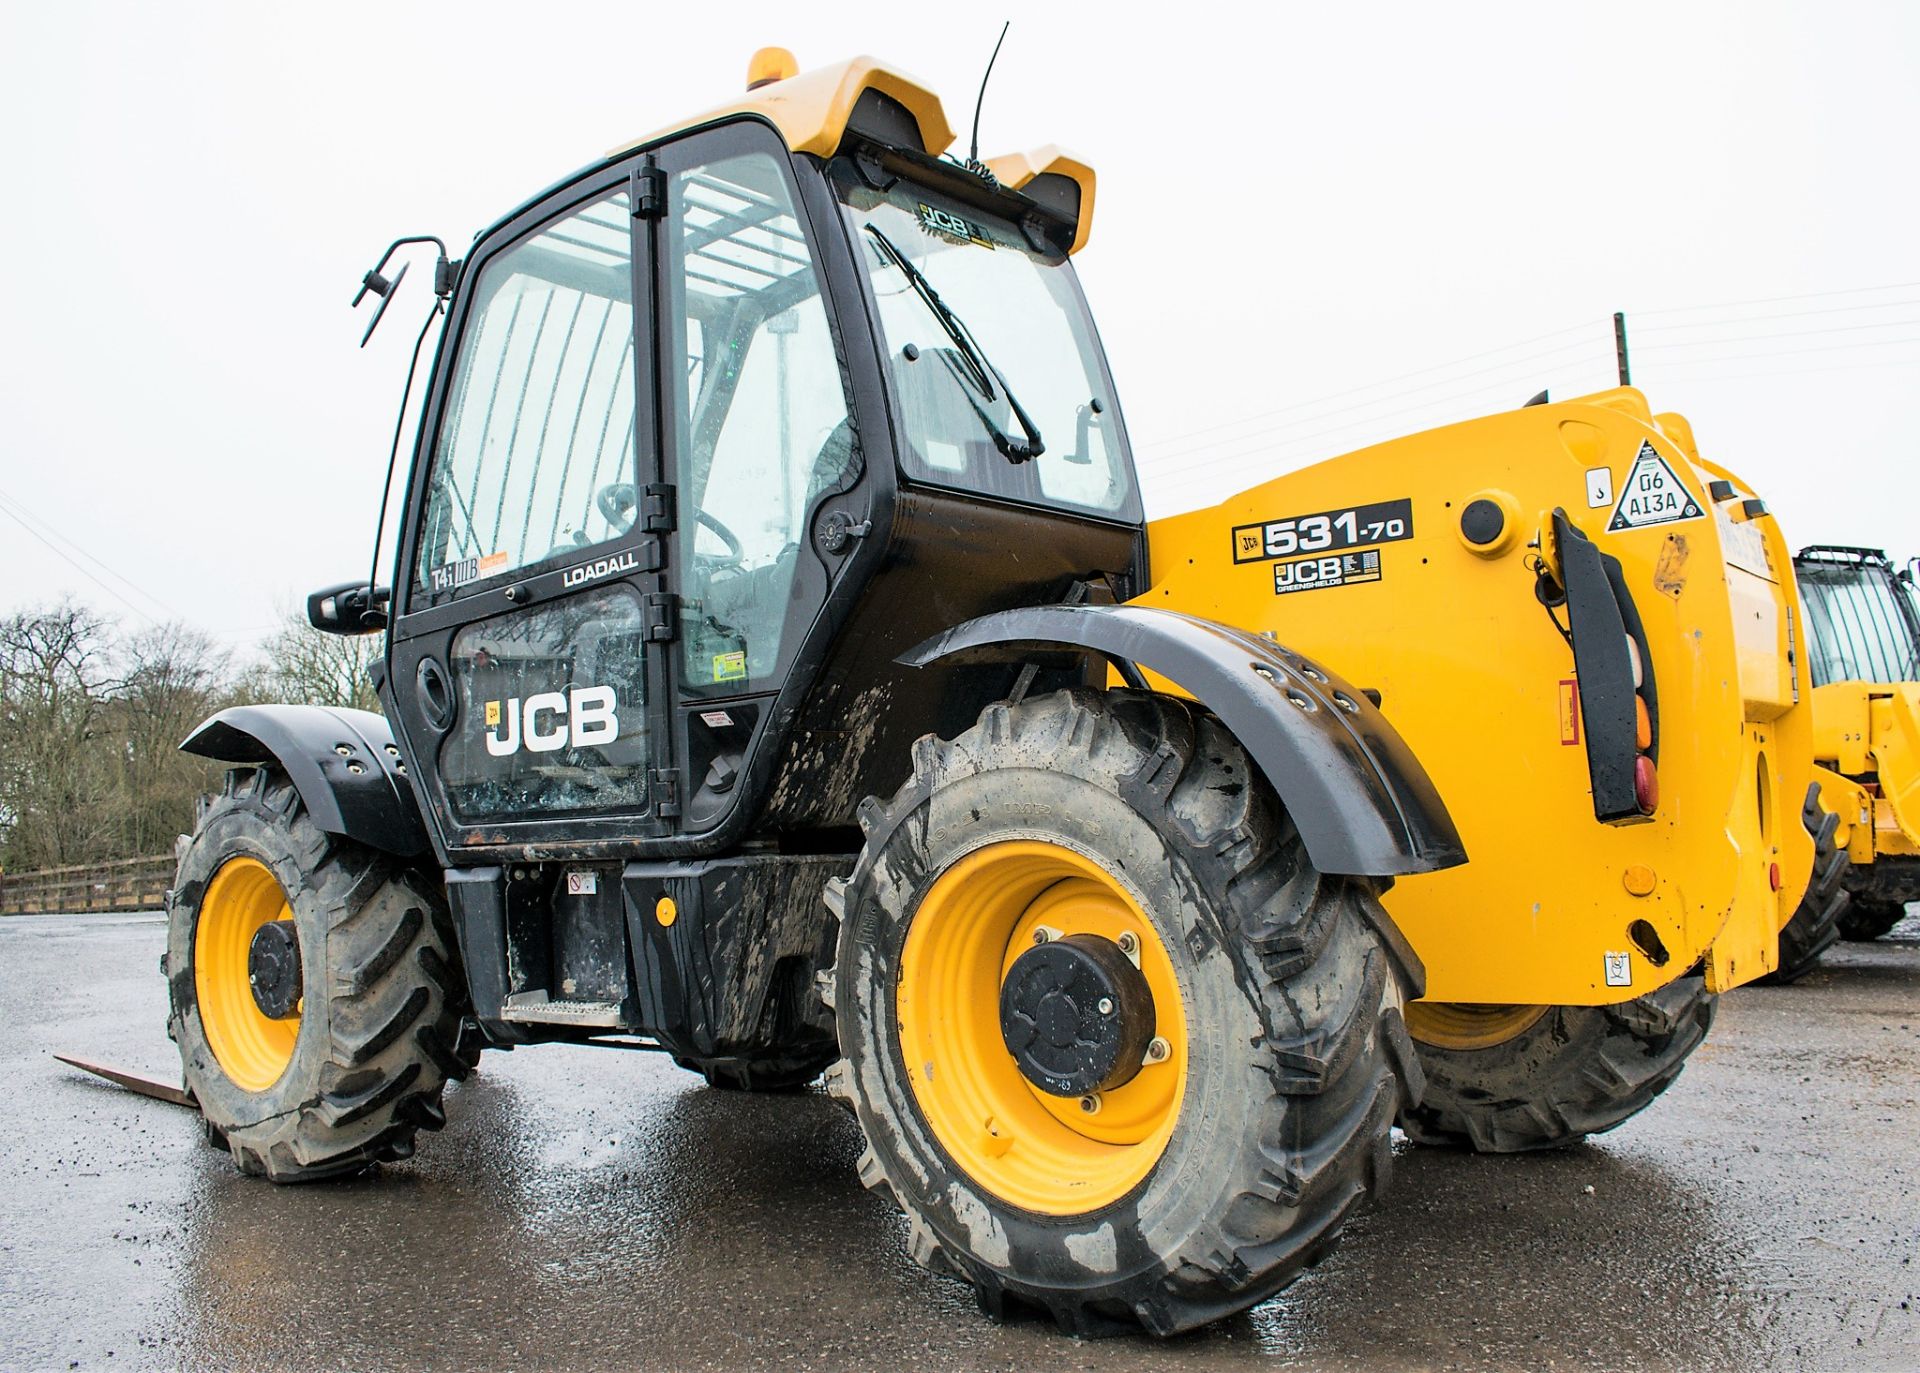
[(1463, 1025), (1033, 1150), (253, 1050)]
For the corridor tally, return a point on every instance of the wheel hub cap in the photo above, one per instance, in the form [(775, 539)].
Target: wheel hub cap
[(273, 969), (1076, 1015)]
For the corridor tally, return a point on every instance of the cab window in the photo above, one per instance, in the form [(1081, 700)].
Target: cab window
[(535, 457), (762, 424)]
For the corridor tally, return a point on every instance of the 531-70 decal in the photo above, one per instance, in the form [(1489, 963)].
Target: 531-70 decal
[(1325, 531)]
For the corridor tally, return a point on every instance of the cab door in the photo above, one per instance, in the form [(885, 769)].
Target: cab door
[(766, 463), (526, 660)]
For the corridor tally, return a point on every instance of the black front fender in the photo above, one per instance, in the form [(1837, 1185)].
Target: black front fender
[(1361, 799), (340, 761)]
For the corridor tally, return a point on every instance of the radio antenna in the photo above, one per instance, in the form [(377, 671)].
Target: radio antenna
[(974, 164)]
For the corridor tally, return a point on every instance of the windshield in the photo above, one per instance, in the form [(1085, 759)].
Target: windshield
[(1861, 622), (991, 352)]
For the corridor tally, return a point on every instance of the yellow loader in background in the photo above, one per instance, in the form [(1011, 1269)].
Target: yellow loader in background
[(1864, 642)]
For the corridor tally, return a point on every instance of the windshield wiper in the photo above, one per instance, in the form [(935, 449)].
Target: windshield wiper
[(979, 372)]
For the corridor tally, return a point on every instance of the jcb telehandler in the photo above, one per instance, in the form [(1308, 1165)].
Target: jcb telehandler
[(1864, 637), (780, 671)]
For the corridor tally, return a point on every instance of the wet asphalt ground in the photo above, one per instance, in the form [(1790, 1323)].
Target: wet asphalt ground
[(590, 1209)]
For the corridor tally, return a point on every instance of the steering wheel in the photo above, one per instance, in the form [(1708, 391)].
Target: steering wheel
[(617, 502), (736, 552)]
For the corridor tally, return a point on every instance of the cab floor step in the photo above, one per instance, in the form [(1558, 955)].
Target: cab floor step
[(539, 1008)]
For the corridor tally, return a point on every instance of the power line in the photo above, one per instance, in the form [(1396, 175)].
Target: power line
[(1375, 385), (1772, 300), (1784, 314), (1783, 333), (1281, 446), (65, 557), (1697, 378), (1788, 352), (20, 511), (1164, 452), (1528, 361)]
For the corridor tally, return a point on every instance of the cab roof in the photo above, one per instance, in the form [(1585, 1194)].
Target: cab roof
[(812, 110)]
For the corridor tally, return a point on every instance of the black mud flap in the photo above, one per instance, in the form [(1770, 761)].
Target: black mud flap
[(342, 762), (1362, 802)]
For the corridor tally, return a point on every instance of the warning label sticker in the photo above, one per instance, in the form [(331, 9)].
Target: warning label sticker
[(1569, 696), (1652, 494), (1337, 569)]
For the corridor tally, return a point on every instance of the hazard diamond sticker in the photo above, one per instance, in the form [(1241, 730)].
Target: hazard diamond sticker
[(1652, 494)]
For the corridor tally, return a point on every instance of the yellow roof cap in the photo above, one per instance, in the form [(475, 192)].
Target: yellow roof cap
[(1017, 170), (811, 109)]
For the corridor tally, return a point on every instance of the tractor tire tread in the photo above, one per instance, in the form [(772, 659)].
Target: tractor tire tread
[(396, 996), (1613, 1062), (1332, 1084), (1817, 922)]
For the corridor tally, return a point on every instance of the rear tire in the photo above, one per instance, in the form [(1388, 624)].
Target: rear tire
[(1866, 919), (1821, 916), (1572, 1071), (1279, 998), (377, 1032)]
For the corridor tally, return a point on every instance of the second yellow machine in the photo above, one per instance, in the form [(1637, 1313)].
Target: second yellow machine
[(1864, 636)]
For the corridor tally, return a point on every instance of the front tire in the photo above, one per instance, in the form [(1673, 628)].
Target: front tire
[(1509, 1079), (348, 1065), (1227, 1164)]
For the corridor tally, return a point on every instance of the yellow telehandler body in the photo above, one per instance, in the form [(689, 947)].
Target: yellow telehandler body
[(1554, 906)]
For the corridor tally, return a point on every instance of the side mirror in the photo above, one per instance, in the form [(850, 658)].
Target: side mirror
[(350, 608)]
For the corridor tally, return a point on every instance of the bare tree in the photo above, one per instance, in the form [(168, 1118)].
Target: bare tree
[(56, 779), (92, 723), (173, 677), (305, 666)]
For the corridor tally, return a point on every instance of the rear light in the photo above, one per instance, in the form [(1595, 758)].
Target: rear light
[(1773, 875), (1646, 785), (1642, 724)]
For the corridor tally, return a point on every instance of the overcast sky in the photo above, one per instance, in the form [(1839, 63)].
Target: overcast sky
[(1317, 226)]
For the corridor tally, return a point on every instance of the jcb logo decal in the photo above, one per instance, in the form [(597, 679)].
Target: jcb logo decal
[(551, 720), (952, 226)]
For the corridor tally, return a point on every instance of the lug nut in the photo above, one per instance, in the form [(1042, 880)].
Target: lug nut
[(1129, 942), (1039, 936), (1090, 1103), (1106, 1005), (1158, 1049)]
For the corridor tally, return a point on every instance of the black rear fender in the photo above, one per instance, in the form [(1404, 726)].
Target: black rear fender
[(342, 762), (1362, 802)]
